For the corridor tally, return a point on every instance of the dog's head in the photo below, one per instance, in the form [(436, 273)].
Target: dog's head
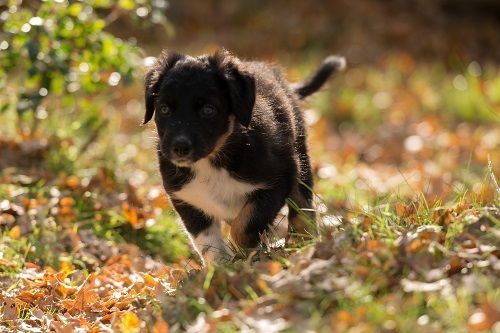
[(196, 103)]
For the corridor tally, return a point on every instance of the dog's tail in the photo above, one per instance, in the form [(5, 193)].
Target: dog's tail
[(314, 82)]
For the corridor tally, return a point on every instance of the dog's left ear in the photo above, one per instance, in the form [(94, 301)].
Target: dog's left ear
[(153, 79), (240, 85)]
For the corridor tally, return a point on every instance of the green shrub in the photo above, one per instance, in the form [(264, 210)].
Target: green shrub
[(57, 54)]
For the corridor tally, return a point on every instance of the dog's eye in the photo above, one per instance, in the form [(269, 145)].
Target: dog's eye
[(165, 110), (208, 111)]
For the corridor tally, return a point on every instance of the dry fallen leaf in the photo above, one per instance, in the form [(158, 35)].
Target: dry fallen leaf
[(132, 216), (129, 322), (478, 322), (7, 263), (271, 267), (9, 310), (160, 326), (15, 232), (72, 182)]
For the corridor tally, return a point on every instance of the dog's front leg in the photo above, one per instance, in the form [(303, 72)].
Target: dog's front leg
[(256, 216), (205, 233)]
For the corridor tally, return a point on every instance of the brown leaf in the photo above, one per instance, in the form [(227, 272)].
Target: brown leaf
[(7, 219), (7, 263), (404, 210), (478, 321), (443, 216), (62, 327), (9, 309), (373, 245), (455, 265)]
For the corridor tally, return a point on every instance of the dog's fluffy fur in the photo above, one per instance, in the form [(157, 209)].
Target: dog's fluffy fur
[(232, 144)]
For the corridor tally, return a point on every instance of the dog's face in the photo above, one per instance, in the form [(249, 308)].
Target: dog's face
[(196, 103)]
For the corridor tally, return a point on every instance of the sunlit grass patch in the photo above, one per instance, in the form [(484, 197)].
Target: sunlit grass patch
[(61, 217), (13, 254), (387, 267)]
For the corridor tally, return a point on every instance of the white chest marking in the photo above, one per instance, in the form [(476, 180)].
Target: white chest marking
[(215, 191)]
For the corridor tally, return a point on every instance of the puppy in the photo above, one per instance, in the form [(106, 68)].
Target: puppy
[(232, 145)]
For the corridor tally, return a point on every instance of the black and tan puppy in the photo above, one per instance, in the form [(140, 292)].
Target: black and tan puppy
[(232, 144)]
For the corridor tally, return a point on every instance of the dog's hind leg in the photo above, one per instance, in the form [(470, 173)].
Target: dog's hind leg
[(301, 211), (205, 233)]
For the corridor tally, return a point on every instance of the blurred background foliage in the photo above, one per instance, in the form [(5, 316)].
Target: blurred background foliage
[(59, 64)]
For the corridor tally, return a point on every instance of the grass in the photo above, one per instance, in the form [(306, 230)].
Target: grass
[(379, 270), (402, 171)]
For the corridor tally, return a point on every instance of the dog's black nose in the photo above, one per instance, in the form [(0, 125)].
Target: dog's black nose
[(181, 147)]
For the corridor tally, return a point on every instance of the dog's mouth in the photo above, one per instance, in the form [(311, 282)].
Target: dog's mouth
[(182, 162)]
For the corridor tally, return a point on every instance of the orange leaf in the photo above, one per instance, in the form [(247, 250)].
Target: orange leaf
[(272, 267), (158, 199), (72, 182), (262, 285), (66, 266), (65, 290), (15, 232), (478, 321), (160, 326), (149, 280), (372, 245), (67, 202), (129, 321), (131, 215), (415, 245), (344, 317)]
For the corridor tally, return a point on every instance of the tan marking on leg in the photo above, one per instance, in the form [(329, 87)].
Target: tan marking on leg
[(239, 224)]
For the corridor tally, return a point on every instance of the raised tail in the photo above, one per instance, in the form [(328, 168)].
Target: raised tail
[(315, 81)]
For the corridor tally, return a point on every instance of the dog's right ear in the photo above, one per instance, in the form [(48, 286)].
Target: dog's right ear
[(240, 84), (153, 79)]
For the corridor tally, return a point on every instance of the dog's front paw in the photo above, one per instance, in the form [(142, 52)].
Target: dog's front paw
[(216, 254), (212, 247)]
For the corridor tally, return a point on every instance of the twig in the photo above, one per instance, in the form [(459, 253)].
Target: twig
[(492, 175)]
